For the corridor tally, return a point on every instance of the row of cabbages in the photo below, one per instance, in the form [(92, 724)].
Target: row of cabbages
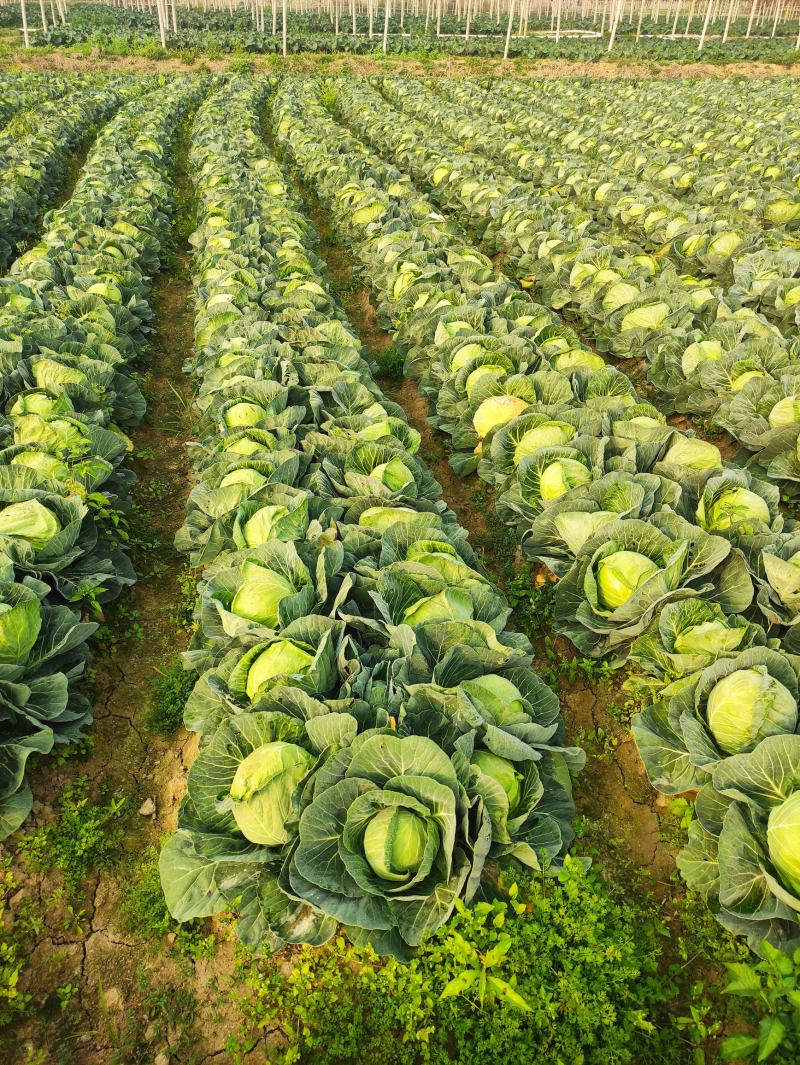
[(74, 316), (23, 91), (708, 140), (370, 734), (711, 337), (663, 554), (34, 152)]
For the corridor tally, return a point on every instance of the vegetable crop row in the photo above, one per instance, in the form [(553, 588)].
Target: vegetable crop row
[(34, 151), (74, 316), (373, 741), (661, 549)]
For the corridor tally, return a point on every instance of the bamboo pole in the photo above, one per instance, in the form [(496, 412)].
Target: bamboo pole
[(283, 28), (705, 26), (25, 35), (752, 16), (508, 30), (385, 26)]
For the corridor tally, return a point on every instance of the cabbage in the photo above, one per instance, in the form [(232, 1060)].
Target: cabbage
[(503, 772), (394, 843), (245, 445), (496, 411), (281, 657), (618, 295), (497, 698), (620, 574), (700, 351), (738, 383), (560, 476), (452, 604), (43, 464), (246, 476), (260, 594), (548, 434), (261, 527), (475, 376), (575, 527), (783, 840), (709, 637), (394, 474), (785, 412), (29, 520), (262, 788), (577, 359), (382, 518), (732, 507), (748, 705), (240, 415), (694, 454), (648, 316)]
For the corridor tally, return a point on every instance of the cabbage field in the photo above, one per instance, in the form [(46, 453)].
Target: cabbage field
[(400, 602)]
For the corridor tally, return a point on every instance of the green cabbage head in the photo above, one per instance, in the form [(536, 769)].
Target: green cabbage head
[(281, 657), (259, 596), (29, 520), (783, 840), (395, 842), (503, 772), (620, 574), (262, 788), (748, 705), (560, 476)]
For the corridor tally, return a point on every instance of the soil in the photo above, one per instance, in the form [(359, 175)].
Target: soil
[(310, 63)]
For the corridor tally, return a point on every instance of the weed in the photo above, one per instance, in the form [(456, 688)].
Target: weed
[(164, 1011), (13, 1002), (144, 911), (170, 689), (85, 837)]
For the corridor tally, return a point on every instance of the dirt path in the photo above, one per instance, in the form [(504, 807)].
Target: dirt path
[(109, 982), (311, 63)]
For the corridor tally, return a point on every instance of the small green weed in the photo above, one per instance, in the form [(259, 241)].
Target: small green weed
[(86, 836), (170, 689), (143, 911)]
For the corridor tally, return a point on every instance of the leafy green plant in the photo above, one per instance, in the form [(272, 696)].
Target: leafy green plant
[(85, 837), (169, 689), (13, 1001), (771, 987), (597, 1001), (143, 910)]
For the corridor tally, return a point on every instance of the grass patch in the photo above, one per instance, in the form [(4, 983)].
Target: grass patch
[(170, 689)]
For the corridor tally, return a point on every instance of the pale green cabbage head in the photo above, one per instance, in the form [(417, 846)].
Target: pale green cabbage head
[(620, 574), (452, 604), (240, 415), (395, 841), (29, 520), (560, 476), (252, 479), (281, 657), (709, 637), (262, 788), (503, 772), (575, 527), (700, 351), (748, 705), (548, 434), (498, 697), (259, 596), (383, 518), (394, 474), (785, 412), (496, 411), (732, 507), (694, 454), (783, 841)]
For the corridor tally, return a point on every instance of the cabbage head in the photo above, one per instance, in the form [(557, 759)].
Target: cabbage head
[(262, 789), (620, 574), (748, 705)]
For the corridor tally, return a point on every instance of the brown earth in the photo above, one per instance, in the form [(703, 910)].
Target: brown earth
[(311, 63)]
